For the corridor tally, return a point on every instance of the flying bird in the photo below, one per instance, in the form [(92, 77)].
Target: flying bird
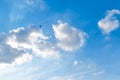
[(40, 26)]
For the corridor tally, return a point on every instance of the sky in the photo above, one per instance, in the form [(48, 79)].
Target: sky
[(77, 40)]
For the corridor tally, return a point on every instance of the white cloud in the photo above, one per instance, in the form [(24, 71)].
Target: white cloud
[(22, 44), (110, 22), (18, 45), (69, 38), (26, 36), (32, 39)]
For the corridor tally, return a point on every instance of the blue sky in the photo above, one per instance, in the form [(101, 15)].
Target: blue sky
[(78, 40)]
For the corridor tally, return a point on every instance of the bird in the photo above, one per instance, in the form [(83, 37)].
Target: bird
[(40, 26)]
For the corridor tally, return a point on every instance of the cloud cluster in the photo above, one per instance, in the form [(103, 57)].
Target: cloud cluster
[(21, 44), (110, 22), (68, 38)]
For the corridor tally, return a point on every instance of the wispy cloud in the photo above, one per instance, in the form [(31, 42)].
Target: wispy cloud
[(81, 72), (110, 22), (29, 2), (19, 9), (50, 70)]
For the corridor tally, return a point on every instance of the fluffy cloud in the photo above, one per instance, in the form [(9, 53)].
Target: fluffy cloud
[(23, 37), (21, 44), (32, 39), (109, 23), (69, 38)]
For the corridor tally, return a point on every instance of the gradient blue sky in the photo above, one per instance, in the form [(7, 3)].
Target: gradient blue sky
[(78, 40)]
